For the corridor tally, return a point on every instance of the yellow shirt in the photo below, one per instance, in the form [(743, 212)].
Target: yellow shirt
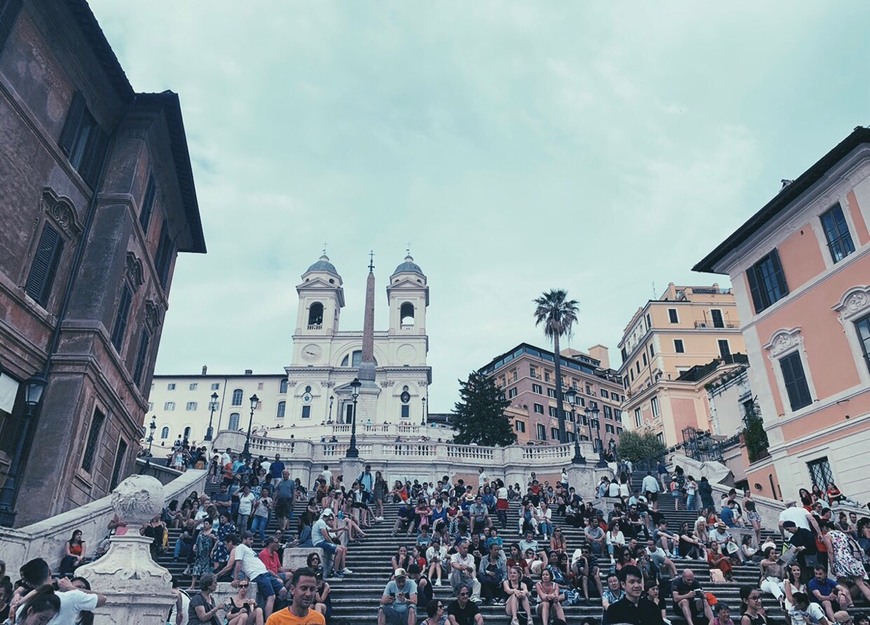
[(286, 617)]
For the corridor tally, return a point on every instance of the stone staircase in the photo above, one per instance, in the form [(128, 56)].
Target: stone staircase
[(355, 598)]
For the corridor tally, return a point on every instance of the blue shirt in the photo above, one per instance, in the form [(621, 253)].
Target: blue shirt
[(727, 516)]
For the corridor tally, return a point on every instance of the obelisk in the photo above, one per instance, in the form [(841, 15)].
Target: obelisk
[(367, 363)]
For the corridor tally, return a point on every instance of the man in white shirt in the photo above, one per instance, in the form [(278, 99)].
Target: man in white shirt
[(463, 571), (37, 573), (320, 537), (799, 516), (326, 475), (243, 558)]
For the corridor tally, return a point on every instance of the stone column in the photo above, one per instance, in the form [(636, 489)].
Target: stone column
[(138, 590)]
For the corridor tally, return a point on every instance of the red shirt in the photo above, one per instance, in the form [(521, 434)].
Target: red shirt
[(270, 560)]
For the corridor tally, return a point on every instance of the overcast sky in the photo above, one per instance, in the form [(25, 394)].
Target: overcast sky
[(599, 147)]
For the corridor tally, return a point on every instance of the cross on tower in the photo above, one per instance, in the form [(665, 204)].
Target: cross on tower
[(408, 249), (324, 248), (371, 260)]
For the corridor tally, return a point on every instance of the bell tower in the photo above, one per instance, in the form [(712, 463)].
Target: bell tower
[(321, 298), (408, 298)]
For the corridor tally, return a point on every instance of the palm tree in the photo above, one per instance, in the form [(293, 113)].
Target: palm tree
[(558, 314)]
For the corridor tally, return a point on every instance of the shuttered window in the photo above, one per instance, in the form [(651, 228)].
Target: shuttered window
[(83, 141), (44, 267), (121, 317), (141, 357), (767, 281), (795, 381), (93, 440)]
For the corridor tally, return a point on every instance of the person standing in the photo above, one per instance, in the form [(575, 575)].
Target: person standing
[(303, 589), (276, 470)]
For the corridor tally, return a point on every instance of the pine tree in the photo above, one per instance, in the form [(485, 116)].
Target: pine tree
[(479, 415)]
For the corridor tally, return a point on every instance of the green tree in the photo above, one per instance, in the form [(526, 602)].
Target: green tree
[(479, 415), (636, 446), (558, 315)]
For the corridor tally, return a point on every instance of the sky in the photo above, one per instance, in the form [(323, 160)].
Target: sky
[(599, 147)]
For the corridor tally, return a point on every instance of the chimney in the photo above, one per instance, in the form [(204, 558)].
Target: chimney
[(249, 372), (602, 354), (205, 369)]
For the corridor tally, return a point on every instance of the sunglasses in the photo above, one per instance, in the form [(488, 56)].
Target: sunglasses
[(243, 585)]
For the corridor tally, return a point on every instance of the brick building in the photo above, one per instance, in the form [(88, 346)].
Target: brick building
[(96, 200)]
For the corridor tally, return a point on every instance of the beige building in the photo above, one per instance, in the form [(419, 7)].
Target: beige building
[(686, 327)]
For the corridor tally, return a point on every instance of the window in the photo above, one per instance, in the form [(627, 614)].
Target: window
[(631, 374), (83, 141), (648, 322), (533, 371), (551, 392), (45, 262), (170, 386), (716, 318), (614, 396), (654, 404), (546, 376), (119, 328), (93, 440), (234, 421), (119, 462), (862, 326), (260, 386), (766, 281), (637, 364), (141, 357), (724, 349), (608, 412), (512, 392), (678, 346), (150, 406), (605, 394), (282, 388), (672, 315), (169, 406), (553, 411), (237, 397), (617, 414), (406, 411), (215, 386), (315, 316), (537, 388), (554, 433), (406, 314), (164, 433), (520, 426), (187, 432), (795, 381), (619, 431), (306, 412), (191, 405), (608, 428), (652, 350), (542, 432), (638, 418), (282, 407), (147, 205), (193, 386), (163, 258), (644, 360), (837, 233), (820, 473), (539, 409), (514, 375), (354, 360)]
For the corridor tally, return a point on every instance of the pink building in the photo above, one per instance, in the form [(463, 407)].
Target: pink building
[(800, 269)]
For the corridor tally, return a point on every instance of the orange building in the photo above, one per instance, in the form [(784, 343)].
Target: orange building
[(800, 268), (663, 346)]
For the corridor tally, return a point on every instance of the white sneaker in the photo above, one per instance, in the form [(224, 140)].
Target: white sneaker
[(437, 582), (346, 571)]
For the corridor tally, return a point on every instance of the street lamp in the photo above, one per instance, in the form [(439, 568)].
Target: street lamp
[(212, 405), (352, 451), (423, 419), (151, 427), (331, 399), (246, 453), (33, 390), (592, 415), (571, 396)]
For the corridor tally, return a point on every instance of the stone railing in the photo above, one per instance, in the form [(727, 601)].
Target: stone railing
[(46, 538)]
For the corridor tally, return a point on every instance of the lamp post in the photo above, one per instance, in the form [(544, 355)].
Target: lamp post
[(592, 415), (151, 429), (33, 391), (331, 399), (212, 406), (571, 396), (246, 453), (352, 451), (423, 419)]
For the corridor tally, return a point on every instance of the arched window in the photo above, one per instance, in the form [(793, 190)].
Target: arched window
[(187, 432), (315, 316), (234, 422), (283, 387), (354, 359), (237, 397), (406, 314), (164, 433), (282, 406)]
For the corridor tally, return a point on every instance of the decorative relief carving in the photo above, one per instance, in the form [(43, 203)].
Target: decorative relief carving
[(783, 341), (291, 383), (62, 212), (387, 383), (855, 302), (153, 314), (135, 272)]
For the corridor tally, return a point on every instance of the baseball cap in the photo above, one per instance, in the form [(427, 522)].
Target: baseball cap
[(326, 513), (400, 573)]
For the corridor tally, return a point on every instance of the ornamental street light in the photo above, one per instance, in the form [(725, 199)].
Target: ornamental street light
[(246, 453), (571, 396), (352, 451), (331, 399), (592, 415), (423, 419), (33, 390), (151, 427), (212, 406)]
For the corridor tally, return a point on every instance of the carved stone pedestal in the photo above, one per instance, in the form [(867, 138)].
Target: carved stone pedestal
[(138, 590)]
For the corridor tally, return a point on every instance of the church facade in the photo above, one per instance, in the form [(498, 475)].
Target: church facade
[(326, 358)]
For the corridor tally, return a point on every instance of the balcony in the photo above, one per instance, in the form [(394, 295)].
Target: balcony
[(315, 326)]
